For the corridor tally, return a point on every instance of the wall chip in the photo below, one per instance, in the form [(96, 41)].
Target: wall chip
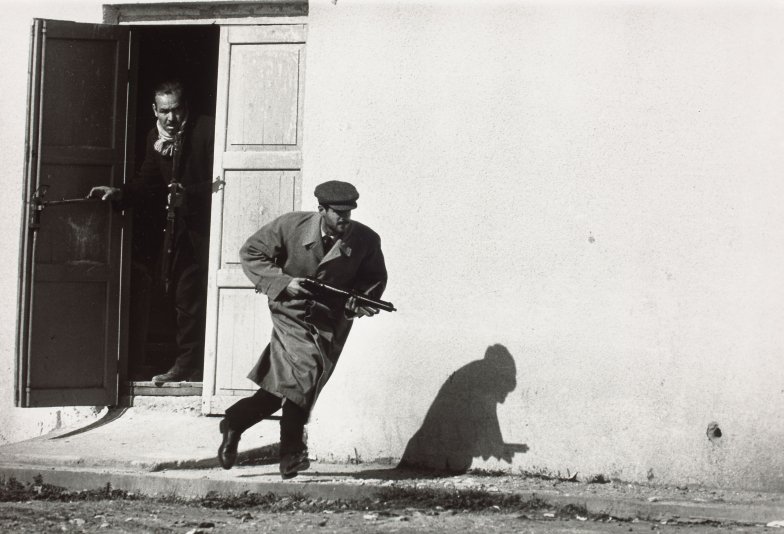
[(714, 432)]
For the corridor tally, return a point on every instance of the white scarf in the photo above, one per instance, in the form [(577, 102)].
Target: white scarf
[(164, 145)]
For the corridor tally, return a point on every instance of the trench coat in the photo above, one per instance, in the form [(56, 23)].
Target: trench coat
[(308, 335)]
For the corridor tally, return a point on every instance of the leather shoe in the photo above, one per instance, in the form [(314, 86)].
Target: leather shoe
[(175, 374), (292, 464), (227, 452)]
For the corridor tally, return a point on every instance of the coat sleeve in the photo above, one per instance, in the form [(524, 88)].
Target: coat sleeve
[(372, 275), (147, 182), (261, 257)]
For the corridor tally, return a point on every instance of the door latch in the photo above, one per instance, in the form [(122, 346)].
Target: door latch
[(37, 204)]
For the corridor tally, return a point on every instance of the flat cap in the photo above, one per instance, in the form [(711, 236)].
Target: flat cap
[(340, 196)]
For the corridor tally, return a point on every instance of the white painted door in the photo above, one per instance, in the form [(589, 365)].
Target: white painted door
[(258, 157)]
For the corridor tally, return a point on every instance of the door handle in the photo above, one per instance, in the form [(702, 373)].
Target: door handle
[(38, 204)]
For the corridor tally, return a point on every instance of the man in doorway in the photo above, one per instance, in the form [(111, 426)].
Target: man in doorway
[(309, 330), (182, 144)]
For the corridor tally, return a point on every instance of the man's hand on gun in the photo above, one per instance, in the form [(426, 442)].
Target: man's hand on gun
[(353, 307), (297, 290), (105, 192), (175, 196)]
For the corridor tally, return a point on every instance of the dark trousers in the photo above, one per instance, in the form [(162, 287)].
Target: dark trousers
[(189, 303), (187, 295), (246, 412)]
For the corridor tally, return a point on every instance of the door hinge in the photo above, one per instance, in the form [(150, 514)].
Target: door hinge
[(36, 207)]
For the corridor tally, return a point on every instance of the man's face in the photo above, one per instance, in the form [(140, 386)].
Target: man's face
[(170, 111), (335, 222)]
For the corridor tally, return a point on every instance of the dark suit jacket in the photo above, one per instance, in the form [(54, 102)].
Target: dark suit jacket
[(146, 194)]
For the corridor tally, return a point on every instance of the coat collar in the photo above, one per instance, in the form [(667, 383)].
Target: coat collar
[(312, 234), (312, 241)]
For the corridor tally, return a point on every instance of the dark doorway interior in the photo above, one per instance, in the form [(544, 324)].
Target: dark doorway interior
[(188, 54)]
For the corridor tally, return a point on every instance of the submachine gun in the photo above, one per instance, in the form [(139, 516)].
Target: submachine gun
[(174, 199), (362, 300)]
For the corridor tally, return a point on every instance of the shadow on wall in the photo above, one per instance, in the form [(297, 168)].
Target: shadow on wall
[(462, 422)]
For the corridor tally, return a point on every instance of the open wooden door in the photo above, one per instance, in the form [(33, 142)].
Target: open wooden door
[(68, 342), (258, 157)]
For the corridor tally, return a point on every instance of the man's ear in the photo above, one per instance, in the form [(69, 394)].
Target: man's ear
[(154, 109), (321, 209)]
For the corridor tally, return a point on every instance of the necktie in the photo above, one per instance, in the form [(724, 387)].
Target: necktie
[(327, 241)]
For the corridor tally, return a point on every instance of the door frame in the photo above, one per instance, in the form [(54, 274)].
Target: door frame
[(224, 14), (25, 256)]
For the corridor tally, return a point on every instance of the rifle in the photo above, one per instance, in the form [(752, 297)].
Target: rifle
[(363, 300), (174, 200)]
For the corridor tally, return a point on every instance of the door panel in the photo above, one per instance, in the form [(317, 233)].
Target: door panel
[(244, 329), (70, 292), (269, 89), (62, 307), (256, 197), (258, 157), (75, 233), (71, 85)]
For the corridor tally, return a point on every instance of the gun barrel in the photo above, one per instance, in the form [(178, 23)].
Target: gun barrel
[(364, 299), (172, 202), (375, 303)]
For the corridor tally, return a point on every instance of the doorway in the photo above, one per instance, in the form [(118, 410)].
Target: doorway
[(189, 54), (89, 109)]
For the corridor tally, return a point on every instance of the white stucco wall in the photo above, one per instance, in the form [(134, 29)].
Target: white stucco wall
[(596, 186)]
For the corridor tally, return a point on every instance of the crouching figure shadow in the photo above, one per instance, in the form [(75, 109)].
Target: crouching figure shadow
[(462, 422)]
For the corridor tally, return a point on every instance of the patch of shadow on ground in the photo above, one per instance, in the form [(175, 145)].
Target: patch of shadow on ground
[(266, 455), (393, 473)]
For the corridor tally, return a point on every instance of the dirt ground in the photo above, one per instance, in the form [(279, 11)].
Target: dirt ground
[(145, 516), (40, 507)]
